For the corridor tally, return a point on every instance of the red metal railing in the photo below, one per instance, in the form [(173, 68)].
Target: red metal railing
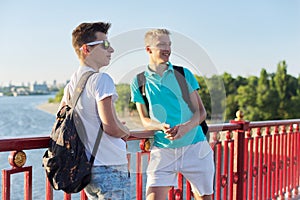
[(256, 160)]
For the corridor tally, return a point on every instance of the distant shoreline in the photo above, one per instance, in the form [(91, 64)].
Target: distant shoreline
[(132, 122), (50, 108)]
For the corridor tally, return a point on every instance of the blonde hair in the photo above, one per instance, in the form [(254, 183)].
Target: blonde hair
[(154, 34)]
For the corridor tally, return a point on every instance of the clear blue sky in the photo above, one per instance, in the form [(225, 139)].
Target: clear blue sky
[(240, 38)]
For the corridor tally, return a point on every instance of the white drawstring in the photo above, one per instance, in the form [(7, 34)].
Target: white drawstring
[(182, 154), (176, 157)]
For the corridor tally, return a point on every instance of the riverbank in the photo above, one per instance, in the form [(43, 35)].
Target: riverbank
[(51, 108), (132, 120)]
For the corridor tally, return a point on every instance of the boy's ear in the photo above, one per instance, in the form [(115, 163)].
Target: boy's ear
[(85, 49), (148, 49)]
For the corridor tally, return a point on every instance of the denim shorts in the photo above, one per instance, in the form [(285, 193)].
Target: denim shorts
[(109, 182)]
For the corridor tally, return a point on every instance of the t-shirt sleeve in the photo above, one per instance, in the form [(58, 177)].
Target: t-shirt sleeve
[(105, 87), (64, 98), (191, 81), (136, 96), (68, 90)]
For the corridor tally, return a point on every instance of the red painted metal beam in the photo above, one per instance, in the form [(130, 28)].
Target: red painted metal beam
[(19, 144)]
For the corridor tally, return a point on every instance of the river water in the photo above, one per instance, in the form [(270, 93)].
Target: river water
[(19, 117)]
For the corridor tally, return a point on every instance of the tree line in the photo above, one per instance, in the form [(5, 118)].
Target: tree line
[(271, 96)]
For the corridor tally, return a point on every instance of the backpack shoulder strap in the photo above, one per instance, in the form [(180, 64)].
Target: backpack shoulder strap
[(141, 83), (79, 87), (96, 145), (78, 91), (179, 73), (180, 76)]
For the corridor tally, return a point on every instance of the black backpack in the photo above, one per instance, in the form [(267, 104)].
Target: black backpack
[(180, 77), (65, 162)]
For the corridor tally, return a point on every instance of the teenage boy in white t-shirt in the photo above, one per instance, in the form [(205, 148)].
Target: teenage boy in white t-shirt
[(110, 178)]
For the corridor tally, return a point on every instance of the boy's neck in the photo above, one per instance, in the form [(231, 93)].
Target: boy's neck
[(158, 68), (90, 64)]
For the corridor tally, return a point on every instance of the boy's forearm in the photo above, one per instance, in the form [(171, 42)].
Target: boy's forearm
[(194, 121), (150, 124)]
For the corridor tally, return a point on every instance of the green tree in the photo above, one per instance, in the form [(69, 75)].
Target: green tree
[(229, 83), (281, 85), (266, 97), (218, 97), (122, 104), (57, 97), (295, 102), (246, 98), (204, 94), (231, 105), (240, 81)]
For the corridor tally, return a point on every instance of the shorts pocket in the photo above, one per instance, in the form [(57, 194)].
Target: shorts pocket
[(204, 150)]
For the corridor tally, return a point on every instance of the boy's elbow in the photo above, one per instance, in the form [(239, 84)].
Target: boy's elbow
[(114, 131), (146, 124), (203, 115)]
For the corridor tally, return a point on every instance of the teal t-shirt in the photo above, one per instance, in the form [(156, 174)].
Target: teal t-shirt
[(167, 105)]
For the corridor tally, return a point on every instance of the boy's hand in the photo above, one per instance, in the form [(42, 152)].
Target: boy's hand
[(165, 127), (176, 132)]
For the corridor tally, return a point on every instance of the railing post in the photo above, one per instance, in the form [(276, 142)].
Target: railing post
[(83, 195), (240, 173), (28, 184), (296, 170), (5, 185), (49, 191), (17, 159), (139, 176), (67, 196), (145, 147)]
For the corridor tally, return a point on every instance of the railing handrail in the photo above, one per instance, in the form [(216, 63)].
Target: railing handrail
[(38, 142), (269, 123), (18, 143)]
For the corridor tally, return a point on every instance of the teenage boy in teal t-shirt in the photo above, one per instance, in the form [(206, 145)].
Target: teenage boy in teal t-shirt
[(179, 142)]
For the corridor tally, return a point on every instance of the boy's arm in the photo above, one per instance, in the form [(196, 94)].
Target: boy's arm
[(147, 122), (111, 124), (199, 115), (202, 109)]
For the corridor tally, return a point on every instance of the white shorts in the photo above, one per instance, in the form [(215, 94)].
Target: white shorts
[(195, 162)]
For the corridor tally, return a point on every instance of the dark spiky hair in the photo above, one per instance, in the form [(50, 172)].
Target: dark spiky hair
[(86, 32)]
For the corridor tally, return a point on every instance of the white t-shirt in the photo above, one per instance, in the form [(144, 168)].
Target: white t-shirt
[(112, 151)]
